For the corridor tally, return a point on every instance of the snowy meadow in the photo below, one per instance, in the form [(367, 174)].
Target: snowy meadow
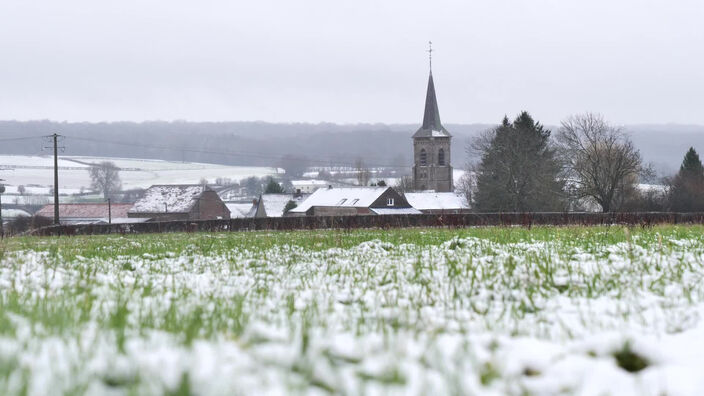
[(602, 310)]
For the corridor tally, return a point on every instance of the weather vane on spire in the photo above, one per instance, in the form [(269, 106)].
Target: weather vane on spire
[(430, 54)]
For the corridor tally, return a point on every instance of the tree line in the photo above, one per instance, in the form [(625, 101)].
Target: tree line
[(588, 164)]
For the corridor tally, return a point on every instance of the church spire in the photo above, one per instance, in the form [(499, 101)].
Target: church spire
[(431, 116)]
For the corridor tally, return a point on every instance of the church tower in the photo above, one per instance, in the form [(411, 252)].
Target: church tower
[(432, 169)]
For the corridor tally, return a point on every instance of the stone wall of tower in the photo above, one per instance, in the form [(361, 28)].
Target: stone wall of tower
[(432, 175)]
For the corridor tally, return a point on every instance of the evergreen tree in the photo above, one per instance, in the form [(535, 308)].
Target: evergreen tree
[(273, 187), (691, 164), (519, 170), (289, 205), (687, 187)]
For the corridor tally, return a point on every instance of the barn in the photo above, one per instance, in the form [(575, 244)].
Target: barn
[(180, 202)]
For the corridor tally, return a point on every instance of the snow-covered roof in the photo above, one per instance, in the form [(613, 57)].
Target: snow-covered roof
[(309, 183), (274, 204), (13, 213), (105, 220), (657, 188), (353, 197), (175, 198), (240, 210), (393, 211), (85, 210), (436, 201)]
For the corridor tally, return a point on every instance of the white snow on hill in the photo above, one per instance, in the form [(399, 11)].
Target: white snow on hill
[(37, 171)]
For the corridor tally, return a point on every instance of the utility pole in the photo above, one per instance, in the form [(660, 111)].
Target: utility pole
[(55, 139), (2, 226), (56, 180)]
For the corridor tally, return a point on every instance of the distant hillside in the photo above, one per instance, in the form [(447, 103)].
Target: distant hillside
[(263, 144)]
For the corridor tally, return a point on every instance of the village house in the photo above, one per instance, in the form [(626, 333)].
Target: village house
[(274, 205), (438, 202), (88, 213), (308, 186), (180, 202), (352, 201), (240, 210)]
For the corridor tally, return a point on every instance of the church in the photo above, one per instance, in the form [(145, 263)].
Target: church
[(432, 169)]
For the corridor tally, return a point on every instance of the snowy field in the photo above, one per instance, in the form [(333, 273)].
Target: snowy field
[(136, 173), (497, 311)]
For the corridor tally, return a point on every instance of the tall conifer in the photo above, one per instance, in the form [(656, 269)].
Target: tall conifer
[(519, 170), (687, 187)]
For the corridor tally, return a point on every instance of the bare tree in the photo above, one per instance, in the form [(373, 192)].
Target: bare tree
[(295, 166), (602, 162), (404, 184), (105, 177), (467, 184), (363, 173)]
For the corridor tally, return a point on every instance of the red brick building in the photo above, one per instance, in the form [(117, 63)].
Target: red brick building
[(77, 213)]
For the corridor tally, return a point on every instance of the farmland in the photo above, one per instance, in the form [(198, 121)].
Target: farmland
[(37, 172), (602, 310)]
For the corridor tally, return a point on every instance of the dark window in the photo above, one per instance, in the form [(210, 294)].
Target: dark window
[(423, 157), (441, 157)]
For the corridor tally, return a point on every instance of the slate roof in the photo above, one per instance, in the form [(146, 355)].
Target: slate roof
[(351, 197), (179, 198), (432, 127), (437, 201), (85, 210)]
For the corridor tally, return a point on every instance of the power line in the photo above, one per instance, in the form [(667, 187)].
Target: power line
[(237, 153), (20, 138)]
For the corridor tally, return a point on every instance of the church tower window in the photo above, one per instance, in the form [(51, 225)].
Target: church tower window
[(441, 157), (423, 157)]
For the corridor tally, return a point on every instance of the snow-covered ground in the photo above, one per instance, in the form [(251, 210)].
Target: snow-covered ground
[(37, 171), (465, 316)]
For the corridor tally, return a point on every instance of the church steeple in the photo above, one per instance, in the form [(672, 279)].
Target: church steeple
[(432, 169), (431, 117)]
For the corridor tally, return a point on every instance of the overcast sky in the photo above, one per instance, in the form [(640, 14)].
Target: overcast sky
[(635, 61)]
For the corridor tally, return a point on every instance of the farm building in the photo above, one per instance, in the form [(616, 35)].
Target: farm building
[(239, 210), (11, 214), (274, 205), (351, 201), (180, 202), (438, 202), (87, 213), (308, 186)]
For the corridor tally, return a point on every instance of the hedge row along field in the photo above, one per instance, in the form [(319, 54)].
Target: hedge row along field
[(603, 310)]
